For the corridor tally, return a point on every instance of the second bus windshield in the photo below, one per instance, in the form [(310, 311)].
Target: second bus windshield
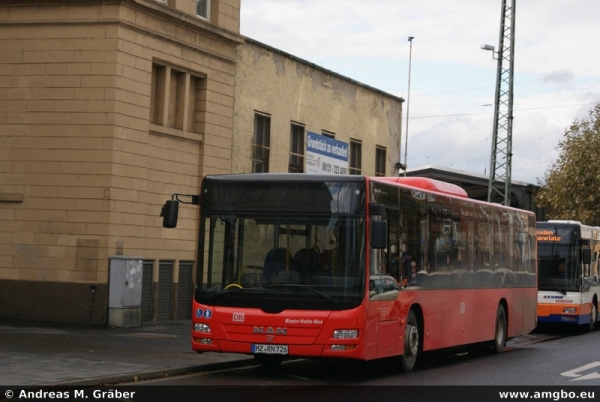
[(558, 258)]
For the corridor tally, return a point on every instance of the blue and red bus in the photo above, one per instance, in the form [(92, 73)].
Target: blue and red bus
[(355, 267), (569, 258)]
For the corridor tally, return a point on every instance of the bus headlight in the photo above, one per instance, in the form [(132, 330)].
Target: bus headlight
[(345, 334), (201, 327), (570, 310)]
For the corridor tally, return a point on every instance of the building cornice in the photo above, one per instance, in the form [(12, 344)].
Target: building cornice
[(319, 68), (156, 9)]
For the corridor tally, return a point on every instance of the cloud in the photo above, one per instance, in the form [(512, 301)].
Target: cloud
[(559, 77), (556, 72)]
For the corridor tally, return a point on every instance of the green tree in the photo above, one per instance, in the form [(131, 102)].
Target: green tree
[(570, 188)]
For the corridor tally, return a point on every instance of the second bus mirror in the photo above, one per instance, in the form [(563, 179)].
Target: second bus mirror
[(379, 234), (587, 256), (169, 213)]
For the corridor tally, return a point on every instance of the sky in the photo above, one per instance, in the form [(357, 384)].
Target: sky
[(452, 80)]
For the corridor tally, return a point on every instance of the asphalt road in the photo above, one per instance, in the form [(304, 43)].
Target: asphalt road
[(539, 359)]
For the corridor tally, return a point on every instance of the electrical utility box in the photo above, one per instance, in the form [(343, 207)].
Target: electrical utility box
[(125, 291)]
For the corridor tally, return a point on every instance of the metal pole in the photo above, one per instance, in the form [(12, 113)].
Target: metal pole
[(410, 39), (501, 157)]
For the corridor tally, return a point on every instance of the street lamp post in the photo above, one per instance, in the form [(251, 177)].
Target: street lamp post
[(410, 39)]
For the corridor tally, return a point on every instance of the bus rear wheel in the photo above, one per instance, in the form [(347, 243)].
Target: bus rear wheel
[(412, 342), (500, 338)]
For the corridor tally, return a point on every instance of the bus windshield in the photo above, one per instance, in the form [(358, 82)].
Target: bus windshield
[(558, 260), (281, 245)]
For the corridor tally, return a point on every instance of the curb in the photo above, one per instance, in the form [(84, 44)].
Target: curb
[(125, 379)]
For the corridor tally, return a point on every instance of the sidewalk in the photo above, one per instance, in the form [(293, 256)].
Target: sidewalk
[(43, 354)]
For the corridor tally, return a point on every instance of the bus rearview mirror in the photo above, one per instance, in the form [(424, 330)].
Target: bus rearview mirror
[(587, 256), (169, 213), (379, 234)]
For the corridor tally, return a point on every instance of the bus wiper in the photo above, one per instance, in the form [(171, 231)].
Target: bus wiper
[(213, 296), (324, 295), (547, 286), (561, 290)]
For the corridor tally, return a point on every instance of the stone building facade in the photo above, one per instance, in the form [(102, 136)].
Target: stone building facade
[(107, 107), (279, 98)]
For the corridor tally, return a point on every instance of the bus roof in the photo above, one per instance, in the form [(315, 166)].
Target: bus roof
[(587, 232), (284, 177), (422, 183), (426, 184), (565, 221)]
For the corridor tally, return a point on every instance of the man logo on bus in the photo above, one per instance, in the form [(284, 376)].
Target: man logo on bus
[(270, 330)]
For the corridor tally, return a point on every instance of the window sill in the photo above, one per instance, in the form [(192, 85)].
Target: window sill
[(175, 133), (11, 197)]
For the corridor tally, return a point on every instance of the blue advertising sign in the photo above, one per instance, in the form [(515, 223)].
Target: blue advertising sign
[(325, 155)]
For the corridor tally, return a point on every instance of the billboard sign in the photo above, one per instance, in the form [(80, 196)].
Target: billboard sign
[(325, 155)]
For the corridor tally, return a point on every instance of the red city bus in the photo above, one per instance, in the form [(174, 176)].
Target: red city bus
[(354, 267)]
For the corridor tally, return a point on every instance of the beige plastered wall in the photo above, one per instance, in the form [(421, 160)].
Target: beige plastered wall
[(290, 90), (83, 174)]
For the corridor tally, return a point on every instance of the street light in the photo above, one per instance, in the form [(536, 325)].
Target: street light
[(492, 49), (410, 39)]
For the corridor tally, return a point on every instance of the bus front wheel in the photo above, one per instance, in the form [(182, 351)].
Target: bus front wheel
[(412, 342), (500, 330), (593, 317)]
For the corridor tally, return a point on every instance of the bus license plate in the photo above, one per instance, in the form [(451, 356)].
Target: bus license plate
[(270, 349)]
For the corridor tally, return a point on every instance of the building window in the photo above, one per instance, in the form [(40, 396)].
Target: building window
[(380, 161), (355, 157), (177, 99), (328, 134), (203, 8), (262, 143), (157, 94), (296, 149)]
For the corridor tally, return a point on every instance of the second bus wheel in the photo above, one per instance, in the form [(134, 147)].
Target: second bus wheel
[(412, 342), (500, 330), (592, 324)]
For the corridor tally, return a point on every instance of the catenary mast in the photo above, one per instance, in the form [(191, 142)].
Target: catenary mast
[(501, 156)]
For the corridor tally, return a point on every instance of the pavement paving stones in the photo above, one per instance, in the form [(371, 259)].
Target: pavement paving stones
[(48, 354)]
